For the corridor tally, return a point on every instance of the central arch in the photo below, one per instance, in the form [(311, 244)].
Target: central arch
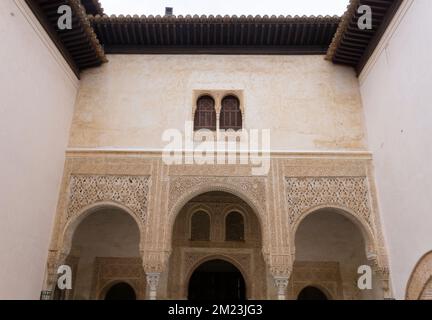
[(179, 203), (199, 235), (217, 279)]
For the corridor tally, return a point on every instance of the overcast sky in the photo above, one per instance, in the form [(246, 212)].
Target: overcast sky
[(230, 7)]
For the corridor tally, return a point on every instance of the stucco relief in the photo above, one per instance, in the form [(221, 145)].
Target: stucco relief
[(109, 271), (130, 191), (420, 280), (323, 275), (193, 258), (304, 193), (253, 187), (250, 189)]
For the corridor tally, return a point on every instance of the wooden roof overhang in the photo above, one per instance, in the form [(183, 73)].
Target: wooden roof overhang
[(215, 34), (79, 45), (352, 46)]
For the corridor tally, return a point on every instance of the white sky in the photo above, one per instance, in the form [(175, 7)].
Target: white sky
[(223, 7)]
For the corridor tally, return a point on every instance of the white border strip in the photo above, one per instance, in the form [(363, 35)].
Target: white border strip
[(386, 38), (41, 33)]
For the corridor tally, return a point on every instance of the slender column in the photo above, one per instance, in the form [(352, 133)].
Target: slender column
[(280, 266), (154, 263)]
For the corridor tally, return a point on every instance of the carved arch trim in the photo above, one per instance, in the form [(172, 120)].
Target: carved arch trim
[(102, 293), (205, 258), (420, 278), (71, 225), (315, 285), (184, 189), (368, 235)]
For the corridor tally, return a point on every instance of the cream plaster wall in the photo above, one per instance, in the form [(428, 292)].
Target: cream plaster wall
[(37, 92), (307, 102), (397, 95)]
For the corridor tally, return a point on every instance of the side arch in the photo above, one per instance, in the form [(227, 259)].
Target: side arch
[(420, 278), (371, 249), (70, 227)]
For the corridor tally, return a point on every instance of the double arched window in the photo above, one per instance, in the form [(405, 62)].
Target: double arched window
[(200, 226), (230, 114), (234, 227)]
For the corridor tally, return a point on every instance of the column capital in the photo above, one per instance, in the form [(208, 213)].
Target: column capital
[(152, 283), (154, 261), (281, 283)]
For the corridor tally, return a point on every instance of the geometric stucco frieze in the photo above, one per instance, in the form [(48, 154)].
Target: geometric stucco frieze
[(130, 191), (111, 270), (304, 193), (323, 274), (192, 258)]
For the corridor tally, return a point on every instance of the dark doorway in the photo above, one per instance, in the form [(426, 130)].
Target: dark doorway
[(120, 291), (311, 293), (217, 280)]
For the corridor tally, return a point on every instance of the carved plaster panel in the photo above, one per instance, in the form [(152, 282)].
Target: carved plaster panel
[(349, 192), (130, 191), (323, 275), (252, 187), (108, 271)]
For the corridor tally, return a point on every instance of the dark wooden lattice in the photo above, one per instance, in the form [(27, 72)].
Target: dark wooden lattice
[(205, 114), (230, 116)]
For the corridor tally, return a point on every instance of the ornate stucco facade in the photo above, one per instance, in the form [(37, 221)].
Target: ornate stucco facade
[(154, 194), (338, 191)]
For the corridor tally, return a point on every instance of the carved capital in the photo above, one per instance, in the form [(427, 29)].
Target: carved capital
[(281, 283), (280, 265), (153, 283), (154, 261)]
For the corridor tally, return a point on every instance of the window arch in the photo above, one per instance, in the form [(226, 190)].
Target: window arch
[(234, 227), (205, 114), (200, 226), (231, 115)]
